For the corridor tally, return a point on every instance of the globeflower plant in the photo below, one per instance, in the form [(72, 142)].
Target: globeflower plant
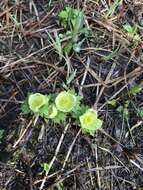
[(57, 107), (65, 101), (36, 101), (89, 121)]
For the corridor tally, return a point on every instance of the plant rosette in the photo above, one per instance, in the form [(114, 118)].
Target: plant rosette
[(37, 101), (66, 101), (89, 122)]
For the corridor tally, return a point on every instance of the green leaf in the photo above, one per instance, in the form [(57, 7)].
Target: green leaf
[(58, 46), (71, 77), (113, 54), (78, 23), (136, 37), (68, 47), (136, 89), (60, 186), (113, 7), (79, 110), (128, 28), (1, 134), (123, 110), (140, 112), (71, 19), (63, 14), (43, 111), (25, 107), (120, 109), (76, 47), (132, 32), (112, 102), (60, 117), (45, 167), (69, 33), (72, 91)]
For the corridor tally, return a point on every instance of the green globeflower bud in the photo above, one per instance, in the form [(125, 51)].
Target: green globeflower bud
[(36, 101), (52, 111), (65, 101), (49, 111), (89, 121)]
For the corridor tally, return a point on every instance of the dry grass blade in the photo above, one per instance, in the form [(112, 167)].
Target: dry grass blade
[(55, 155)]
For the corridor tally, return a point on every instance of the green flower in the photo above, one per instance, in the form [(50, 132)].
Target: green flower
[(89, 121), (48, 111), (36, 101), (52, 111), (65, 101)]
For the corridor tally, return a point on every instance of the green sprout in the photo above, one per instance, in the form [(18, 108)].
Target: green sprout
[(140, 112), (113, 7), (36, 101), (132, 32), (89, 121), (45, 167), (1, 134), (136, 89), (72, 21), (65, 101)]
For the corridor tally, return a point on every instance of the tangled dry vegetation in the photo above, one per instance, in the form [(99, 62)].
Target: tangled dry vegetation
[(101, 59)]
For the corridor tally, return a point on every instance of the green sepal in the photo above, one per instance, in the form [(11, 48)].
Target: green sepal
[(25, 107)]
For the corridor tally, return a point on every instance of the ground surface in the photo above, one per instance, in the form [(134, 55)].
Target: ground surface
[(109, 63)]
